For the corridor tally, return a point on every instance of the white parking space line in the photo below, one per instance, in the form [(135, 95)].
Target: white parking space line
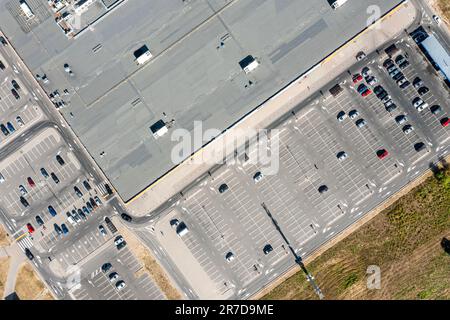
[(205, 212)]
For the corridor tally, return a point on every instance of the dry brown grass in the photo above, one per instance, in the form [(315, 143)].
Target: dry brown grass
[(4, 266), (444, 7), (4, 240), (404, 241), (150, 265), (29, 286)]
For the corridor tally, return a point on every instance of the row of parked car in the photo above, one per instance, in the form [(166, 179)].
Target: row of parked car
[(23, 191), (15, 85), (113, 276), (77, 215), (9, 127), (381, 94), (418, 84), (74, 217), (393, 69), (421, 105), (15, 89)]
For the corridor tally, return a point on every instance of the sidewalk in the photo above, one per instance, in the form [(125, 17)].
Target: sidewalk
[(378, 34), (194, 273), (17, 259)]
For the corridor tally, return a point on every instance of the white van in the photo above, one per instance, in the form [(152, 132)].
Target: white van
[(71, 221), (182, 229)]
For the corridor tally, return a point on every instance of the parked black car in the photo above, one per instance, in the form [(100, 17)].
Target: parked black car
[(60, 160), (15, 94), (54, 177), (323, 189), (106, 267), (126, 217), (15, 85), (4, 129), (267, 249), (3, 41), (24, 202), (223, 188), (29, 254), (87, 185), (39, 221), (108, 189)]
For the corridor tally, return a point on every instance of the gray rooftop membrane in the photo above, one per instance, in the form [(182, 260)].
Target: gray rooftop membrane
[(190, 77)]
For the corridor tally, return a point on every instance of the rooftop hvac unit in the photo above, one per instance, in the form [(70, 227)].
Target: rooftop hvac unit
[(248, 64), (142, 55), (159, 129)]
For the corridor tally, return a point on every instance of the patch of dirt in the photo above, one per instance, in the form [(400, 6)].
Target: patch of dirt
[(442, 8), (4, 240), (29, 286), (45, 295), (4, 266)]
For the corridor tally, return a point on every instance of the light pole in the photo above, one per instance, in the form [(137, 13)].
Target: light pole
[(298, 259), (212, 222)]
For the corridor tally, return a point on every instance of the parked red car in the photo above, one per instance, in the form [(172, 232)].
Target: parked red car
[(382, 154), (357, 78), (30, 228), (31, 182), (366, 93), (445, 121)]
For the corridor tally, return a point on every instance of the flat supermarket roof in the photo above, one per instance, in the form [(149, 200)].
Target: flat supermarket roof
[(194, 73)]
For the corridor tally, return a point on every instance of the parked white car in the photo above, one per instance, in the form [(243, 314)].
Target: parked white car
[(437, 19)]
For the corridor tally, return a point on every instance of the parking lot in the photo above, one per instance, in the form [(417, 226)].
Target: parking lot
[(419, 68), (42, 191), (426, 126), (16, 115), (96, 284), (54, 203), (39, 153), (84, 239), (340, 154)]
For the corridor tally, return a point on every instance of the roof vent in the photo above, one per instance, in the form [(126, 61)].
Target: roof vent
[(248, 64), (159, 129), (142, 55)]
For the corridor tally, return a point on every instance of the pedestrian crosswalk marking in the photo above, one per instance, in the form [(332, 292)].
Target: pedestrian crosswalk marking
[(25, 243), (102, 189), (111, 227)]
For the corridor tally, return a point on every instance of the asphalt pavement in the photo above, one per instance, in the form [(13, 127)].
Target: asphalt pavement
[(406, 164)]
